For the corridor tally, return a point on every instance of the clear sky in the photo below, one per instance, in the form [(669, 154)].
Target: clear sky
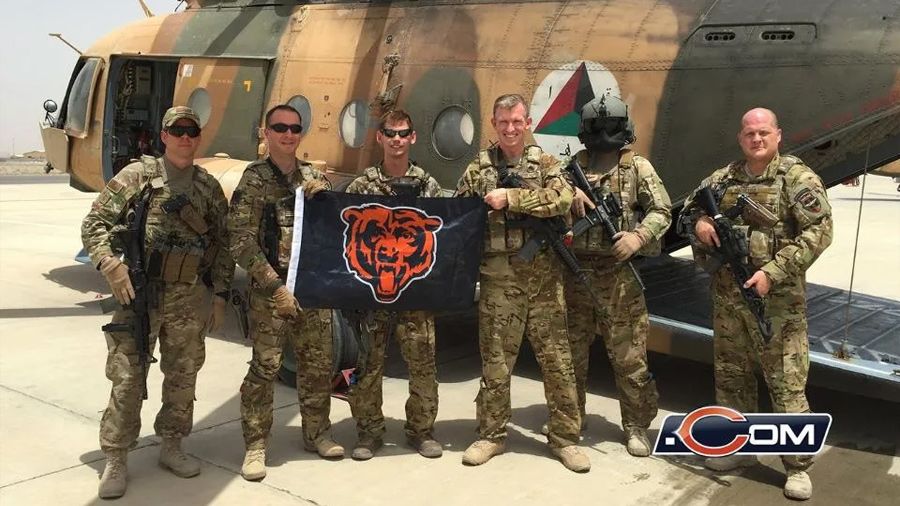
[(35, 67)]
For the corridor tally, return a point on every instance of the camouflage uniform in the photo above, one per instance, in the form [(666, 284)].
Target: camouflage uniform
[(413, 330), (622, 318), (795, 194), (180, 251), (519, 298), (263, 189)]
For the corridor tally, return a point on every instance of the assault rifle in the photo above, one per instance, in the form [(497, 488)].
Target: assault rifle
[(545, 232), (734, 251), (271, 229), (271, 234), (138, 325), (607, 210)]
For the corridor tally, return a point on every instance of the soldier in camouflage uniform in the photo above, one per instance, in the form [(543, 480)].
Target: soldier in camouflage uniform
[(261, 227), (520, 298), (414, 330), (781, 249), (182, 248), (622, 317)]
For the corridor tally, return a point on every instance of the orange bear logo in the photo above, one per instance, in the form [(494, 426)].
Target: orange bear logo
[(389, 247)]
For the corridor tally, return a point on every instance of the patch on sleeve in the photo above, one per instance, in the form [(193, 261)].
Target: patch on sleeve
[(809, 201), (115, 186)]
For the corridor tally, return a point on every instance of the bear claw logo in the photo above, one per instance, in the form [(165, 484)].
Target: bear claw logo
[(389, 247)]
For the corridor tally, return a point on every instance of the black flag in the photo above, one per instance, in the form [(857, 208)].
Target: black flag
[(356, 251)]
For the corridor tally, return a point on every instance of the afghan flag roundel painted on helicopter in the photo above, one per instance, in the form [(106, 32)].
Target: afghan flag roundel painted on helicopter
[(557, 102)]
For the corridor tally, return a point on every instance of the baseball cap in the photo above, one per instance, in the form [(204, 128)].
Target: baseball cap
[(178, 112)]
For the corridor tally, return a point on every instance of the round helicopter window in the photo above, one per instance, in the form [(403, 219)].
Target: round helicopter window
[(301, 103), (199, 102), (453, 133), (354, 123)]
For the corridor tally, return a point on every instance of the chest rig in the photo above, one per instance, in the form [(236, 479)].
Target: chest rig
[(411, 185), (277, 224), (500, 235), (764, 236), (177, 236), (622, 182)]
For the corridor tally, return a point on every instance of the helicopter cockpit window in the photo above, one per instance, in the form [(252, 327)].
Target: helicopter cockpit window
[(301, 103), (200, 103), (354, 123), (453, 133), (79, 100)]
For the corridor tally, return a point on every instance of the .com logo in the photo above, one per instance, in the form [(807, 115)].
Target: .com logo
[(717, 431)]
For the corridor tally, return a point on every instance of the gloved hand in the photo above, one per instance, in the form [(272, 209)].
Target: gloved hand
[(285, 303), (497, 199), (312, 187), (116, 274), (530, 201), (216, 314), (626, 244), (581, 203), (705, 231)]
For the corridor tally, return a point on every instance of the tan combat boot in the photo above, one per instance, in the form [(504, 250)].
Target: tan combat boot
[(172, 458), (573, 458), (730, 462), (115, 475), (254, 466), (326, 448), (636, 442), (798, 485), (366, 448), (426, 446), (481, 451)]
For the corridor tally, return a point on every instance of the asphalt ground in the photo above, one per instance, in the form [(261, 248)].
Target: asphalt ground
[(53, 391)]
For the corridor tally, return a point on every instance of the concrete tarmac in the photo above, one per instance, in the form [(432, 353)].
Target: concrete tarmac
[(53, 391)]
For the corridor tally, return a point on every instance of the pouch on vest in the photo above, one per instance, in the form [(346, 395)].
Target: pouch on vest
[(181, 206), (193, 219), (284, 218), (173, 266), (760, 246)]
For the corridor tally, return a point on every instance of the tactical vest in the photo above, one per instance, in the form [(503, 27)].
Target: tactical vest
[(276, 229), (177, 241), (622, 181), (382, 187), (498, 237), (771, 192)]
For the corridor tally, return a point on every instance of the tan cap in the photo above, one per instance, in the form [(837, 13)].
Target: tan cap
[(178, 112)]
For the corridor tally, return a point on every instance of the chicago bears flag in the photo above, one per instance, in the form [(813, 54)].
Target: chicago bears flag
[(354, 251)]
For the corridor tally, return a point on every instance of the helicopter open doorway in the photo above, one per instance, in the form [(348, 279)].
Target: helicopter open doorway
[(139, 92)]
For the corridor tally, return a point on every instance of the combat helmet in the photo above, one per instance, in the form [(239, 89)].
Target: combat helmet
[(605, 124)]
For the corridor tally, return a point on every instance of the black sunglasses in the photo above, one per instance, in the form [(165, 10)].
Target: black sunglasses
[(281, 128), (179, 130), (390, 133)]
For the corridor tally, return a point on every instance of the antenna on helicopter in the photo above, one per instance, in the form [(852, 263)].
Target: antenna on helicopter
[(147, 11), (60, 37)]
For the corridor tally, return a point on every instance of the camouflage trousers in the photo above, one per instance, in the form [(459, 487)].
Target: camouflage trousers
[(739, 349), (521, 299), (624, 323), (310, 336), (178, 323), (414, 332)]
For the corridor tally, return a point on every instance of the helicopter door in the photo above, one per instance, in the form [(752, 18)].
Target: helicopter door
[(228, 95), (74, 118)]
